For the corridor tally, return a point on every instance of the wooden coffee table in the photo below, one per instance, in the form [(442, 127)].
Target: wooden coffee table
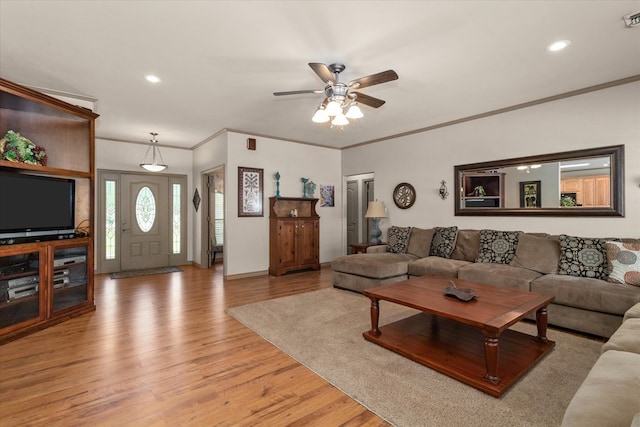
[(468, 341)]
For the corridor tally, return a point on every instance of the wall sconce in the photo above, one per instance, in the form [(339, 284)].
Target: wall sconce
[(443, 192)]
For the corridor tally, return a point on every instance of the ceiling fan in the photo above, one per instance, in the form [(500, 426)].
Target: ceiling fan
[(341, 99)]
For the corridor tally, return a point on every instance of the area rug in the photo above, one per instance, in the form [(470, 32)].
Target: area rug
[(143, 272), (323, 331)]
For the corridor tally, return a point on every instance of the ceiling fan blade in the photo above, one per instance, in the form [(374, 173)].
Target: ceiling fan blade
[(322, 71), (297, 92), (369, 100), (374, 79)]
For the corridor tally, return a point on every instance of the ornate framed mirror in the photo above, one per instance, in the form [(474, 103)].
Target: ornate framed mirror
[(572, 183)]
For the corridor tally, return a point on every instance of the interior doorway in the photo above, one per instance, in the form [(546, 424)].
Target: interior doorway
[(359, 191), (213, 220)]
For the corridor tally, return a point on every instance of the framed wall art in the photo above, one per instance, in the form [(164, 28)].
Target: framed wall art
[(530, 194), (250, 191), (327, 195)]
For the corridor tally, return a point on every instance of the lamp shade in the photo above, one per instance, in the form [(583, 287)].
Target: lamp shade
[(354, 112), (333, 108), (320, 116), (376, 209), (153, 167), (339, 120)]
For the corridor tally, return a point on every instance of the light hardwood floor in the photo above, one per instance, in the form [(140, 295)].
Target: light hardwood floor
[(161, 351)]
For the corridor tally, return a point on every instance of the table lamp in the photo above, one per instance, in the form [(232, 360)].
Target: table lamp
[(375, 211)]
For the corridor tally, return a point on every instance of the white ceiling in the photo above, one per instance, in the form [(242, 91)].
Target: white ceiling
[(221, 61)]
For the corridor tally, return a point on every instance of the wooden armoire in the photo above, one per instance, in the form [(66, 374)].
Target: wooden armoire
[(294, 235)]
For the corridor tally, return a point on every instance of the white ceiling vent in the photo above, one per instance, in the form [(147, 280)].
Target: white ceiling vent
[(632, 19)]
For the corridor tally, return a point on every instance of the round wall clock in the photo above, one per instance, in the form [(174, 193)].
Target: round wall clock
[(404, 195)]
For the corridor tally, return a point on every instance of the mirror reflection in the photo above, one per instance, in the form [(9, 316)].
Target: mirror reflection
[(584, 182)]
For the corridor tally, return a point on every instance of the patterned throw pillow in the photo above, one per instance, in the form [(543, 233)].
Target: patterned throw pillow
[(497, 247), (398, 238), (582, 257), (443, 242), (625, 260)]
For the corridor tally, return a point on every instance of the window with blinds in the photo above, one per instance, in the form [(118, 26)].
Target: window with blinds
[(218, 220)]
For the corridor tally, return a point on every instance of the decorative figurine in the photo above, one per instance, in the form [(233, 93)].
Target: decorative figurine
[(304, 186), (277, 184)]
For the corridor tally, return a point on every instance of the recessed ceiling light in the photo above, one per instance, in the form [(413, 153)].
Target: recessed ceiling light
[(559, 45), (153, 79)]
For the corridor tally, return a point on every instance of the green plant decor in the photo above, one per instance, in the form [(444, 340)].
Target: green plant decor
[(16, 148)]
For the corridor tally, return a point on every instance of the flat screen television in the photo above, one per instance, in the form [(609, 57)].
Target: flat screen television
[(35, 207)]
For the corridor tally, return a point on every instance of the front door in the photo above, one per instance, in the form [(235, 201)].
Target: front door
[(144, 222)]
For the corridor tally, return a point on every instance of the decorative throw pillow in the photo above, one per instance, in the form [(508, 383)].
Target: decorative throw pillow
[(625, 260), (498, 247), (582, 257), (443, 242), (398, 238)]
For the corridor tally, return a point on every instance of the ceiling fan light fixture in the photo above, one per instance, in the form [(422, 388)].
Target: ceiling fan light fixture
[(320, 116), (340, 120), (354, 112), (153, 166), (339, 104)]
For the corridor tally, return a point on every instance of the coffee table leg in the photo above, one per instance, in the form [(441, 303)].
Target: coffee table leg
[(375, 315), (541, 323), (491, 358)]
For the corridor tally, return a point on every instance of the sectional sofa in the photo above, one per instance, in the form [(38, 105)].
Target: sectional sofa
[(586, 276), (610, 395)]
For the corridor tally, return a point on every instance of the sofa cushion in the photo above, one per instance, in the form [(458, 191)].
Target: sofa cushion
[(582, 257), (420, 242), (497, 247), (609, 395), (467, 244), (443, 241), (625, 338), (625, 262), (633, 312), (537, 254), (436, 266), (377, 266), (499, 275), (588, 294), (397, 239), (359, 283)]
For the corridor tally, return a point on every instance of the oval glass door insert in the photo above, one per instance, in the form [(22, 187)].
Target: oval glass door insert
[(145, 209)]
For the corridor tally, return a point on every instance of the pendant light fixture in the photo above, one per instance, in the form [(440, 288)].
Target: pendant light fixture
[(154, 166)]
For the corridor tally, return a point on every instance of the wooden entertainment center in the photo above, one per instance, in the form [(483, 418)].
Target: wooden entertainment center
[(46, 280)]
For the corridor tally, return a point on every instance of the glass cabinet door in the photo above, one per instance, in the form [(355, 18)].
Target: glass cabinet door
[(69, 277), (20, 288)]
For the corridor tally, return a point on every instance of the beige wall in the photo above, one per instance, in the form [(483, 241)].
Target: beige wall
[(603, 118)]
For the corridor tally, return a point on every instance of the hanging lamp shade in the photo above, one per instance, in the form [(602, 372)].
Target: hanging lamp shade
[(153, 165)]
